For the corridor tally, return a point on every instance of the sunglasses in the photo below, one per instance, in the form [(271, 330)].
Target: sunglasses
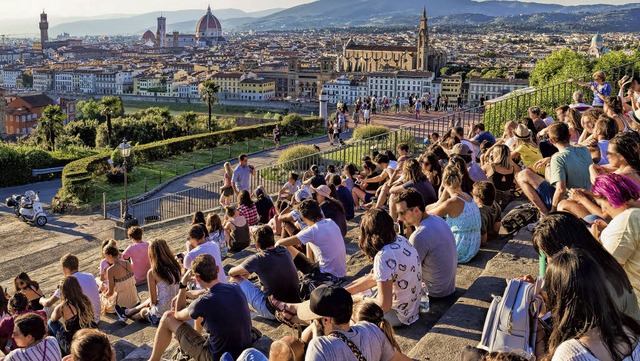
[(404, 211)]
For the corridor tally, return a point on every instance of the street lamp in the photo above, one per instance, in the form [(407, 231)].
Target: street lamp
[(125, 152)]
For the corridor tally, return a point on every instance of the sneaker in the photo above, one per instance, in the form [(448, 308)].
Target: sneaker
[(154, 320), (121, 313)]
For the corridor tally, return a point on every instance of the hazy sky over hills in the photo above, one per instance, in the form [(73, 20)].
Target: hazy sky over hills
[(29, 9)]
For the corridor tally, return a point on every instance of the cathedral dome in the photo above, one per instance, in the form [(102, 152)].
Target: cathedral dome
[(208, 26), (148, 36)]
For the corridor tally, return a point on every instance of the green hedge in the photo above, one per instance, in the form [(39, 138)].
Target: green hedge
[(77, 176), (369, 131), (17, 163)]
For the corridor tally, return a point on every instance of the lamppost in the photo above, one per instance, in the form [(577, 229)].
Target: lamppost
[(125, 152)]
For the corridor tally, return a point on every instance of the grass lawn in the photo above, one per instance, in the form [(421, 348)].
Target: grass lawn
[(145, 177), (177, 108)]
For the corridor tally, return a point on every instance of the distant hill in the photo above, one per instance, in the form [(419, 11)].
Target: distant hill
[(183, 20)]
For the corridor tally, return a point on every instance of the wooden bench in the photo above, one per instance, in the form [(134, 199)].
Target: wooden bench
[(43, 171)]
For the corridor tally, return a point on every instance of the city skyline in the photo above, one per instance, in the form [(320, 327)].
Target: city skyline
[(84, 8)]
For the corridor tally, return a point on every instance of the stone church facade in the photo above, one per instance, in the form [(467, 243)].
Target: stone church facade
[(371, 58)]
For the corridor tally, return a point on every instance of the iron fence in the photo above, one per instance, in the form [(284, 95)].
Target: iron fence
[(272, 177)]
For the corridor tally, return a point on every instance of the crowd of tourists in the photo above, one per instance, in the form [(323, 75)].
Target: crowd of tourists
[(419, 215)]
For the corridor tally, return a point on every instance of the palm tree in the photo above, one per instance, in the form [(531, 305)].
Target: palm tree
[(209, 94), (185, 120), (109, 106), (51, 125)]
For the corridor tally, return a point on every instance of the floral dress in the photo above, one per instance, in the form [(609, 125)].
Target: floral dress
[(466, 230)]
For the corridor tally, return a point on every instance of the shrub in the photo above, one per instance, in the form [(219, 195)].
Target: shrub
[(369, 131), (296, 152), (118, 161), (226, 123), (292, 123)]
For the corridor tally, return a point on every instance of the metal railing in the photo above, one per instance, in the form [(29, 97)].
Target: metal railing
[(272, 177)]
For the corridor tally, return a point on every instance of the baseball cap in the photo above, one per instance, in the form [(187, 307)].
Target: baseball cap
[(302, 194), (323, 190), (259, 191), (461, 149), (326, 301)]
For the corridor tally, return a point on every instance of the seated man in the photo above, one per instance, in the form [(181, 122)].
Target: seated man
[(70, 265), (569, 169), (224, 311), (138, 254), (434, 242), (290, 187), (276, 272), (330, 309), (326, 251), (480, 135), (198, 244), (290, 221), (315, 179)]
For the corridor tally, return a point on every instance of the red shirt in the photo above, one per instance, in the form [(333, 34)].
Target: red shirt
[(250, 213), (6, 325)]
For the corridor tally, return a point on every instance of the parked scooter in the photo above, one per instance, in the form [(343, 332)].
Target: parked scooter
[(28, 208)]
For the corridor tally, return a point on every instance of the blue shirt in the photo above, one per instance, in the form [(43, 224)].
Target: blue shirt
[(485, 136), (604, 89), (345, 197), (242, 178)]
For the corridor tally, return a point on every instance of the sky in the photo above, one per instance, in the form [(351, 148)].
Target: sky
[(24, 9)]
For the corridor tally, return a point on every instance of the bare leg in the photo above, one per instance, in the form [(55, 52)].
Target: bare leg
[(529, 181), (168, 326), (130, 312), (573, 207)]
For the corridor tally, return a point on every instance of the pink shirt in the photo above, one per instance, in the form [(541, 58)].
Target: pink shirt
[(139, 255)]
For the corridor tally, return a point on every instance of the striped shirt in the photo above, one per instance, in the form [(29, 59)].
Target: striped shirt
[(574, 350), (46, 350)]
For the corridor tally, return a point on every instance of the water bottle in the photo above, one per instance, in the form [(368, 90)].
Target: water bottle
[(424, 299)]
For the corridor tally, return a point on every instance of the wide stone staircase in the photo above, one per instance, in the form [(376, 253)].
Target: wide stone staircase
[(438, 335)]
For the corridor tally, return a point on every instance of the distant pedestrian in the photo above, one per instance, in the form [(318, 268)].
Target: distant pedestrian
[(418, 107), (459, 101), (276, 136), (227, 188), (396, 104), (367, 116)]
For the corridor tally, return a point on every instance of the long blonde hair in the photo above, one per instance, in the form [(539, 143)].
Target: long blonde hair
[(227, 168), (503, 156)]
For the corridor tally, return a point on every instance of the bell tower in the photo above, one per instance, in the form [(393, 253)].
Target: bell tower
[(44, 28), (423, 43)]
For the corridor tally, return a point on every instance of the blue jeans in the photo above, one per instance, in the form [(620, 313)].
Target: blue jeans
[(250, 354), (54, 327), (257, 299)]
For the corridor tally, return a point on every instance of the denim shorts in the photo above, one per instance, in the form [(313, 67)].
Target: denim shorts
[(546, 191)]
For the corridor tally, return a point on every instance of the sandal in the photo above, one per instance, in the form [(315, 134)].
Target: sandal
[(286, 318), (282, 306)]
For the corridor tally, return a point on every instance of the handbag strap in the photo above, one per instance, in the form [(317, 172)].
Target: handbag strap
[(352, 346), (44, 354)]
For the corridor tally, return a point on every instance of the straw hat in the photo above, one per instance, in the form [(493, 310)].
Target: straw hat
[(522, 132)]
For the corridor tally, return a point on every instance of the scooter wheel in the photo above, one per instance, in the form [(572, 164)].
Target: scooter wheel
[(41, 221)]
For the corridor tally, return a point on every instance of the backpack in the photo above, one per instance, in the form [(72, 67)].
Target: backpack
[(519, 217), (511, 322)]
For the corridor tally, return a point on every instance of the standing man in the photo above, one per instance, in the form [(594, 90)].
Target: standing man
[(224, 311), (434, 242), (241, 178)]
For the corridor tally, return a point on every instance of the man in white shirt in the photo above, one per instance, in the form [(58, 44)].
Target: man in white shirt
[(70, 265), (199, 245), (325, 245)]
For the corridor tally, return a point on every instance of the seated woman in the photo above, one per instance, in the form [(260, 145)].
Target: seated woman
[(247, 208), (18, 305), (32, 343), (432, 169), (29, 288), (264, 205), (467, 182), (502, 171), (365, 188), (396, 269), (461, 214), (89, 344), (122, 284), (236, 230), (216, 233), (383, 179), (616, 194), (349, 176), (163, 279), (588, 121), (412, 178), (344, 196), (73, 313), (525, 148), (587, 325), (101, 280), (331, 171), (439, 152), (560, 230), (370, 311), (624, 159), (572, 118)]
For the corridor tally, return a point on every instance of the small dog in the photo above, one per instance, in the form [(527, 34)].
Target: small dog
[(341, 142), (316, 147)]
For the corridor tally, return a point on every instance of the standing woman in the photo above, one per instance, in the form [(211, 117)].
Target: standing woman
[(73, 313), (330, 131), (276, 136), (461, 214), (227, 187), (587, 325), (163, 279), (599, 86), (29, 288)]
